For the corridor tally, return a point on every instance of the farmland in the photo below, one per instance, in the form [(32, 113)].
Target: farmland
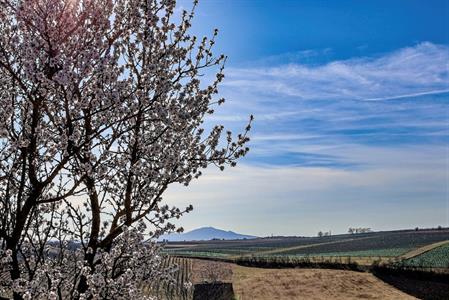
[(257, 283), (435, 258), (390, 246), (268, 284), (393, 244), (293, 267)]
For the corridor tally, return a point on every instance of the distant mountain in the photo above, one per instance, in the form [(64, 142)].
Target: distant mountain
[(205, 234)]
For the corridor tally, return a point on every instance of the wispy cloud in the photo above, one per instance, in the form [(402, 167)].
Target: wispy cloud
[(408, 72), (394, 100), (434, 92), (356, 134), (334, 146)]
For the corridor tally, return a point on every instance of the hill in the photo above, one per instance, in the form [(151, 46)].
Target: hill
[(205, 234), (429, 246)]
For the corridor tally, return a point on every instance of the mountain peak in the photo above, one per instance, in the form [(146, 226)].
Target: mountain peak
[(204, 234)]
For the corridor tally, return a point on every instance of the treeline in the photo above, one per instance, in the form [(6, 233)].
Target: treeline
[(359, 230)]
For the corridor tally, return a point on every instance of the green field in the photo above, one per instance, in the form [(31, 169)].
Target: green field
[(391, 252), (384, 246), (436, 258)]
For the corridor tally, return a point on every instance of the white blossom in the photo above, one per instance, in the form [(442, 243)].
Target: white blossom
[(101, 104)]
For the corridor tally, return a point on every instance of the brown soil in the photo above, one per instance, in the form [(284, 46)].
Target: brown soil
[(264, 284), (271, 284)]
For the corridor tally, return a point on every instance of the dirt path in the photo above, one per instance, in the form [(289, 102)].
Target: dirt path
[(318, 284), (419, 251)]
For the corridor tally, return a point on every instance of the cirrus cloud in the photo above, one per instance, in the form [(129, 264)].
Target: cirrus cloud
[(408, 72)]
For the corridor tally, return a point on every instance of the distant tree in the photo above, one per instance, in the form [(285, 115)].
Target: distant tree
[(320, 233), (102, 108), (358, 230)]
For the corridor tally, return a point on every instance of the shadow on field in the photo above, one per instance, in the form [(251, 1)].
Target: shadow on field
[(422, 285), (281, 263), (213, 291)]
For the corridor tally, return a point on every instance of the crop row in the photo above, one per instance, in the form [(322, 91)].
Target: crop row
[(369, 244), (435, 258), (389, 252), (178, 285), (252, 245), (200, 253), (390, 244)]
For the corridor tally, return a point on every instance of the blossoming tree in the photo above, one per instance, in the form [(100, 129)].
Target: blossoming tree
[(101, 110)]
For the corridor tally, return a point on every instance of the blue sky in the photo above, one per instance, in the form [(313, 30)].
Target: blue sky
[(351, 100)]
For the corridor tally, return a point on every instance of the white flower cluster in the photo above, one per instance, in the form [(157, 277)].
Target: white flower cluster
[(118, 273), (101, 104)]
